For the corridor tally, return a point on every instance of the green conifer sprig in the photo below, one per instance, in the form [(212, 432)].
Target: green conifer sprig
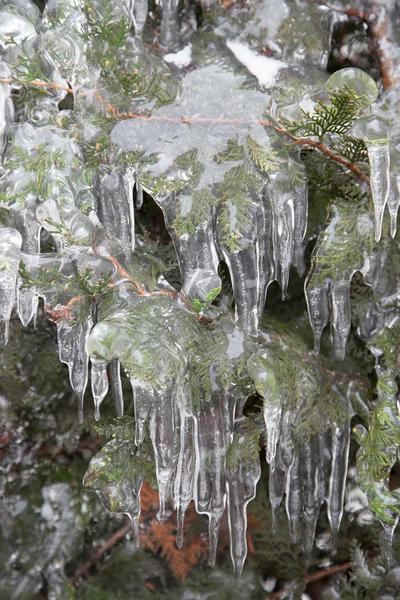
[(335, 117)]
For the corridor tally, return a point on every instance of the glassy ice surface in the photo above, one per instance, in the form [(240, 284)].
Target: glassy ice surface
[(192, 128), (375, 132), (356, 80), (10, 244)]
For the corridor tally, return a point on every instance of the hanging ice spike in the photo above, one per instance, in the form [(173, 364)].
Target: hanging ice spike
[(375, 132), (10, 244)]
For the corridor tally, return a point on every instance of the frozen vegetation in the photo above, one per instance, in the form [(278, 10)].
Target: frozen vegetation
[(255, 159)]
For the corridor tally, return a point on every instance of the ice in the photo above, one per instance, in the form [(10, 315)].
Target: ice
[(212, 428), (6, 106), (386, 543), (170, 25), (375, 132), (27, 303), (99, 379), (116, 387), (114, 202), (313, 493), (143, 398), (265, 382), (72, 351), (116, 474), (357, 80), (139, 10), (281, 197), (393, 201), (280, 466), (300, 209), (294, 499), (138, 196), (341, 316), (243, 269), (161, 429), (337, 481), (197, 253), (241, 489), (10, 244), (184, 478)]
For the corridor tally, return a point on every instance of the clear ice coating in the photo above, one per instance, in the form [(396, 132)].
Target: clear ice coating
[(375, 132), (10, 244), (106, 120), (357, 80)]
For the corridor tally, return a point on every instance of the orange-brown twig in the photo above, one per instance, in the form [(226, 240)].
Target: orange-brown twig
[(297, 140), (39, 83)]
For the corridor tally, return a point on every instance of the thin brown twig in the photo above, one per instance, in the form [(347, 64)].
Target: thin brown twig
[(38, 83), (188, 120), (297, 140), (316, 577)]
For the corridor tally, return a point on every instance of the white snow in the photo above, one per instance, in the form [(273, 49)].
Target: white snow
[(264, 68), (181, 59)]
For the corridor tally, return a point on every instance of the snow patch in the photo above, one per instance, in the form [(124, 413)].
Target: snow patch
[(181, 59), (264, 68)]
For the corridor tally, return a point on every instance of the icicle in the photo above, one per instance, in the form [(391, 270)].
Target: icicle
[(116, 475), (10, 244), (318, 309), (6, 106), (393, 200), (300, 219), (265, 251), (27, 224), (162, 437), (72, 351), (325, 462), (143, 398), (265, 383), (243, 269), (169, 26), (214, 423), (387, 542), (337, 481), (294, 499), (329, 21), (99, 380), (114, 199), (27, 303), (184, 477), (138, 10), (375, 132), (282, 462), (272, 418), (139, 196), (341, 316), (281, 196), (241, 489), (312, 494), (116, 387), (197, 252)]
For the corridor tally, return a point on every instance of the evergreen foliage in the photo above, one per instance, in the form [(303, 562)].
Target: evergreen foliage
[(105, 152)]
